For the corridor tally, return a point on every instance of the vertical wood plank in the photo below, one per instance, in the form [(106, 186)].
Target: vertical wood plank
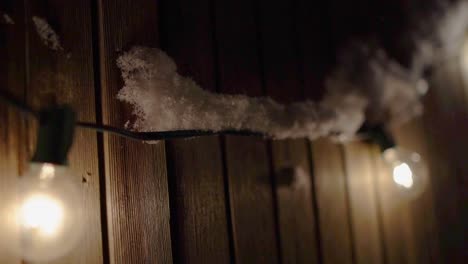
[(420, 212), (200, 224), (444, 127), (411, 231), (248, 170), (330, 188), (363, 203), (450, 101), (136, 183), (251, 200), (361, 191), (282, 80), (195, 167), (66, 77), (295, 209), (462, 179), (313, 32), (9, 171), (12, 145)]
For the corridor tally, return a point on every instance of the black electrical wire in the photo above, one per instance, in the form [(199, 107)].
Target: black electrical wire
[(143, 136), (22, 107), (365, 133), (161, 135)]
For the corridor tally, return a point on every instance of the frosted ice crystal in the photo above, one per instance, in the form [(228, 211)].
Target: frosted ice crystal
[(164, 100), (47, 34)]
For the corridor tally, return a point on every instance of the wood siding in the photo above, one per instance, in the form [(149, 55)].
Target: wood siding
[(227, 199)]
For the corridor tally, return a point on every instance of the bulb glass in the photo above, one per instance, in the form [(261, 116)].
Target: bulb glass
[(44, 215), (408, 171)]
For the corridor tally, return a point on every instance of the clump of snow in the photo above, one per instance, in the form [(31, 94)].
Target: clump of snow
[(451, 27), (48, 36), (366, 85), (437, 33), (392, 92), (8, 19), (165, 100)]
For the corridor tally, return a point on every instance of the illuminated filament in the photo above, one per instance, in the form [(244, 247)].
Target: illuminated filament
[(47, 171), (403, 175), (42, 214)]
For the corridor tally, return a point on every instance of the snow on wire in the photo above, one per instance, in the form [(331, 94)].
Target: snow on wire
[(366, 85)]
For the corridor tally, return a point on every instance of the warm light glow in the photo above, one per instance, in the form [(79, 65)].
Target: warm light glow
[(42, 214), (43, 217), (403, 175), (47, 171)]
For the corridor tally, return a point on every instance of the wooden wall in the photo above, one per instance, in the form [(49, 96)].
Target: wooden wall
[(223, 199)]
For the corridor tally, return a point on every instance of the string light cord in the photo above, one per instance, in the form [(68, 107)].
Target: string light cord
[(142, 136), (162, 135), (365, 133), (11, 100)]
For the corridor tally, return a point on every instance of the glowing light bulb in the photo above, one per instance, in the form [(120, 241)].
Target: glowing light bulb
[(41, 213), (44, 217), (408, 170), (403, 175)]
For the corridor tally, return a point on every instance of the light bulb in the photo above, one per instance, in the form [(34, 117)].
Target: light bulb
[(408, 170), (403, 176), (44, 218)]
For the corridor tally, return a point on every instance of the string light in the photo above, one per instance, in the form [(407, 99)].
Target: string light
[(403, 175), (45, 218), (408, 170), (46, 214)]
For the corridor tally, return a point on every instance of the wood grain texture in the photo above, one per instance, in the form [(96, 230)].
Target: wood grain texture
[(247, 161), (251, 200), (363, 203), (136, 183), (9, 171), (426, 249), (444, 127), (316, 53), (282, 80), (199, 224), (66, 77), (295, 209), (12, 148), (330, 187), (452, 129), (462, 90), (229, 202)]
